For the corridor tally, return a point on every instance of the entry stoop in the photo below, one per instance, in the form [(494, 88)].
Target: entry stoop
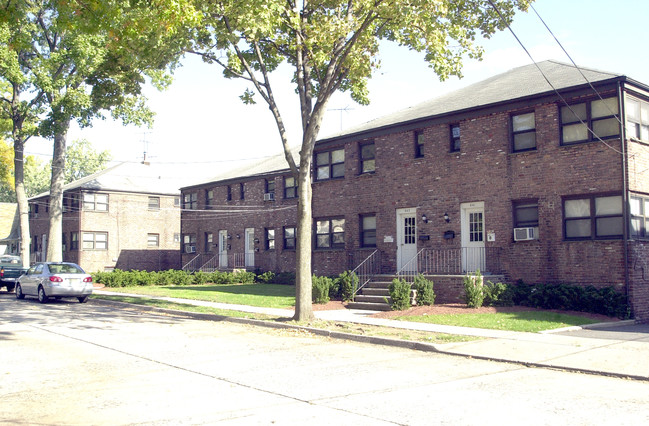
[(374, 296)]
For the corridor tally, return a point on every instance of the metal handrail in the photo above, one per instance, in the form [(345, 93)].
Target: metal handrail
[(192, 263), (456, 261), (211, 265), (367, 268)]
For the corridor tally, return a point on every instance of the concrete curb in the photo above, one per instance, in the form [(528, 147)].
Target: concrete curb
[(373, 340)]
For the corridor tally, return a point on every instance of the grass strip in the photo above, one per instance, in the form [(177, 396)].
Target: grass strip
[(526, 321), (260, 295)]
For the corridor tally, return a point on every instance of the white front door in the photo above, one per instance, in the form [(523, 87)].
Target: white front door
[(250, 247), (473, 237), (406, 239), (223, 249)]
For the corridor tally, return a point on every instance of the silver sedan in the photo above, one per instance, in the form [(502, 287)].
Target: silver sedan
[(54, 279)]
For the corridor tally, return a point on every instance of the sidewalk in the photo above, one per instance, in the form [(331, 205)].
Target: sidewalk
[(619, 354)]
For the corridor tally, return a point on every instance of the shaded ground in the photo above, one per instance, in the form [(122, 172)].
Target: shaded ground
[(457, 308)]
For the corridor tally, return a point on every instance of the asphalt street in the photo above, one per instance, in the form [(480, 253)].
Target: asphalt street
[(67, 363)]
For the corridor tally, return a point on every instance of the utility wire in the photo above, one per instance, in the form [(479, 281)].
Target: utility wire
[(556, 91)]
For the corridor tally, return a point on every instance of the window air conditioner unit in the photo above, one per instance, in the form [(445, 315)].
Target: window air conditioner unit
[(269, 196), (525, 234), (191, 249)]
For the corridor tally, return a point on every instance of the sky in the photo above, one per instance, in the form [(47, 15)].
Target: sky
[(202, 128)]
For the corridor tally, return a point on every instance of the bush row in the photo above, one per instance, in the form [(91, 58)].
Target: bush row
[(120, 278), (343, 287), (400, 293), (605, 300)]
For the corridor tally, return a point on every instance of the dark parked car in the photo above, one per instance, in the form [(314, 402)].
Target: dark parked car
[(54, 279), (11, 268)]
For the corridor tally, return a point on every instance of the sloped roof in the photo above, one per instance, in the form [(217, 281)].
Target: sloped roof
[(9, 222), (514, 84), (130, 177), (274, 164)]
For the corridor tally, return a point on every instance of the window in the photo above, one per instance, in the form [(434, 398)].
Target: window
[(189, 243), (209, 241), (526, 214), (289, 238), (95, 202), (639, 210), (368, 164), (154, 203), (368, 231), (455, 137), (228, 197), (176, 237), (74, 241), (209, 198), (637, 119), (270, 186), (290, 187), (330, 164), (63, 243), (523, 132), (190, 201), (242, 191), (419, 144), (593, 217), (270, 239), (597, 115), (330, 233), (153, 240), (95, 240), (74, 202), (176, 201)]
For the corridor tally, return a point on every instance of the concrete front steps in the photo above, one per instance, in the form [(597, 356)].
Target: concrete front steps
[(374, 296)]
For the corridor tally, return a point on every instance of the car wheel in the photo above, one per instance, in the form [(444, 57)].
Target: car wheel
[(42, 297), (10, 288), (83, 299), (19, 292)]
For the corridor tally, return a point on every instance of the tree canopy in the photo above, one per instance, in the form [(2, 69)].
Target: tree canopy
[(333, 45)]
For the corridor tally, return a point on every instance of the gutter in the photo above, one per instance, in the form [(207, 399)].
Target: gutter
[(625, 192)]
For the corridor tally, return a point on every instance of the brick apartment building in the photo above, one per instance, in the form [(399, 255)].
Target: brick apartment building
[(513, 176), (126, 217)]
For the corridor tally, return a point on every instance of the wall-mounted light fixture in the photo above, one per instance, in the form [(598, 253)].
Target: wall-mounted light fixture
[(238, 236), (446, 218), (424, 218), (256, 240), (229, 237)]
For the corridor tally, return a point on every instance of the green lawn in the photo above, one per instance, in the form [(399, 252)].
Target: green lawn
[(263, 295), (529, 321), (283, 296)]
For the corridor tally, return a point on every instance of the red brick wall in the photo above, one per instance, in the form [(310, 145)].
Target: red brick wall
[(127, 222)]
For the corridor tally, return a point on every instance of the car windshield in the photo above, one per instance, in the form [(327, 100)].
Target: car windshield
[(15, 260), (65, 269)]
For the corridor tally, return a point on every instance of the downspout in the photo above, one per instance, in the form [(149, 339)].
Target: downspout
[(625, 192)]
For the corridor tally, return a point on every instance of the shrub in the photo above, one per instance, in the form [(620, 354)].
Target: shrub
[(497, 294), (335, 290), (400, 294), (287, 278), (473, 290), (425, 294), (321, 286), (348, 285), (265, 278)]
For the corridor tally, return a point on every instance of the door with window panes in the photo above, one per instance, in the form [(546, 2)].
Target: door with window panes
[(406, 239), (473, 237)]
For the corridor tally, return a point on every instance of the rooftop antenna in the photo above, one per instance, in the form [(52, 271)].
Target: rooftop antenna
[(145, 146), (346, 109)]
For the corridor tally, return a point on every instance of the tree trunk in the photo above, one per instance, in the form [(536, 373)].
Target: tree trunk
[(21, 199), (55, 243), (303, 285)]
